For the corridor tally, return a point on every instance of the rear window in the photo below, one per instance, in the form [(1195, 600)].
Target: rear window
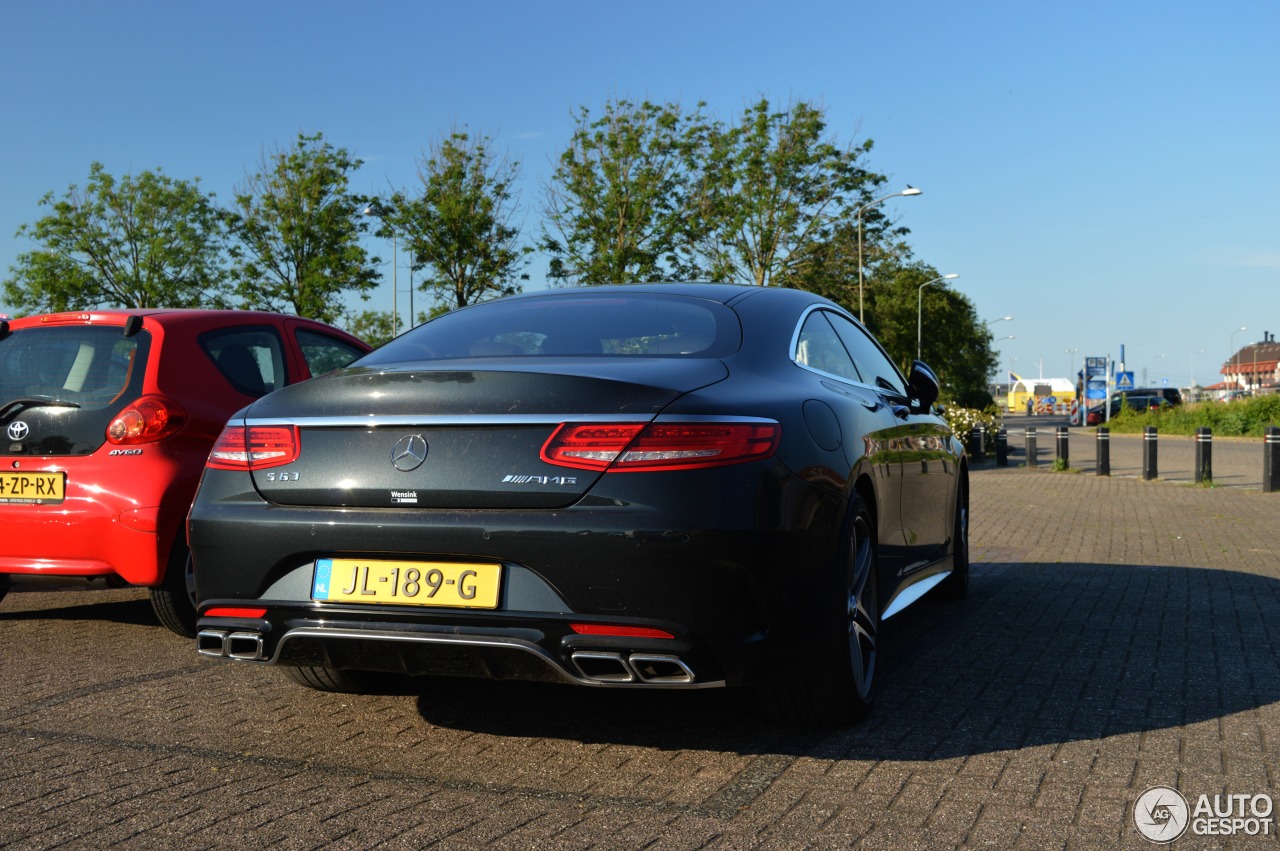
[(90, 365), (577, 325)]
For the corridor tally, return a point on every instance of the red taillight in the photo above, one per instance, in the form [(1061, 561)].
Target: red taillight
[(147, 420), (234, 612), (622, 631), (254, 447), (659, 446)]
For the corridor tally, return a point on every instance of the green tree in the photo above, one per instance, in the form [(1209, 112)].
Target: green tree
[(773, 193), (460, 229), (372, 326), (953, 340), (139, 241), (617, 205), (297, 232)]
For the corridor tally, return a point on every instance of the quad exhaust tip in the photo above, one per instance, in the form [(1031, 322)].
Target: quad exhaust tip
[(224, 644), (650, 668)]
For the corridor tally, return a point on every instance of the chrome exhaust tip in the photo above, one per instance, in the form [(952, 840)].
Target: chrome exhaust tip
[(246, 646), (221, 644), (603, 667), (212, 642), (658, 668)]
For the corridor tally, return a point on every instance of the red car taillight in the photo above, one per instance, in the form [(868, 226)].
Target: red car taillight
[(659, 446), (147, 420), (254, 447)]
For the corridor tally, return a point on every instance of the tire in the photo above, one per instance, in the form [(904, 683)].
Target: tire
[(323, 678), (956, 585), (840, 686), (4, 585), (174, 601)]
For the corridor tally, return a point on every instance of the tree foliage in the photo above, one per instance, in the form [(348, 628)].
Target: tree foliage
[(297, 232), (953, 340), (138, 241), (617, 206), (372, 326), (773, 191), (460, 228)]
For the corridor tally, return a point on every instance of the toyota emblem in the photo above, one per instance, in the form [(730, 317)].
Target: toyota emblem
[(18, 430), (409, 453)]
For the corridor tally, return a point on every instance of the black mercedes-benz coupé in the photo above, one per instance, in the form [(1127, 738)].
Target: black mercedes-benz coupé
[(648, 486)]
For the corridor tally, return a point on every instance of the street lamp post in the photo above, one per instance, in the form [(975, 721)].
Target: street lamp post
[(1235, 362), (920, 309), (991, 322), (910, 190), (395, 289)]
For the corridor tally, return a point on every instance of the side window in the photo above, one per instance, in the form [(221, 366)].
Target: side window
[(251, 359), (818, 347), (873, 363), (324, 353)]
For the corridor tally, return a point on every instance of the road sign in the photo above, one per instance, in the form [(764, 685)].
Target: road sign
[(1095, 366), (1124, 380)]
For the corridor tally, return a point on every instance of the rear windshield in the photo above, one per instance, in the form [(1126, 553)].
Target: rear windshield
[(90, 365), (576, 325)]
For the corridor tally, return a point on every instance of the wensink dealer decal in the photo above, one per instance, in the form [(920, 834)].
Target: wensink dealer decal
[(1162, 815)]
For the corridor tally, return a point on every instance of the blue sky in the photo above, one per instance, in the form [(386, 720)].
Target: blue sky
[(1106, 172)]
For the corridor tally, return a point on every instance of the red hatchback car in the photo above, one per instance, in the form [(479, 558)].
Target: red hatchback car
[(107, 417)]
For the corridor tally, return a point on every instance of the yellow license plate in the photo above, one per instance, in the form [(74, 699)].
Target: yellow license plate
[(32, 488), (407, 583)]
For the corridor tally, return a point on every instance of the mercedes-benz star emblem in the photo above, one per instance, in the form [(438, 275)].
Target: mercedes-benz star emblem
[(18, 430), (409, 453)]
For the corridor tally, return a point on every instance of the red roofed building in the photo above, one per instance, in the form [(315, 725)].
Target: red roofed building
[(1255, 367)]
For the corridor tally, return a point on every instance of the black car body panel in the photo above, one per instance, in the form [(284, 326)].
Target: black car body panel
[(610, 575)]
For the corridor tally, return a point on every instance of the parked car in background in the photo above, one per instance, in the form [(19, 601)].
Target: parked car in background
[(1172, 395), (107, 418), (663, 486), (1132, 401)]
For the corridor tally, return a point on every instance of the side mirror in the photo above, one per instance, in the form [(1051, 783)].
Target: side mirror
[(923, 386)]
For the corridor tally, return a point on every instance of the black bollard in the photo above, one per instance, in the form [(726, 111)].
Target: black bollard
[(1204, 456), (1064, 448), (1271, 460), (1104, 451), (1002, 448), (1031, 447), (1150, 453), (982, 441), (975, 444)]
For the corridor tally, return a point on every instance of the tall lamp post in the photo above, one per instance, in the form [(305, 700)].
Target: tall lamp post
[(1235, 362), (395, 289), (920, 309), (910, 190), (991, 322)]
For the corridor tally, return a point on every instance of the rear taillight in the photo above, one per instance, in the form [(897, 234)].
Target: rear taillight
[(254, 447), (146, 420), (659, 446)]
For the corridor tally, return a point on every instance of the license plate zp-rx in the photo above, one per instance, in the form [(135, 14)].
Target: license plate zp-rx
[(32, 488), (470, 585)]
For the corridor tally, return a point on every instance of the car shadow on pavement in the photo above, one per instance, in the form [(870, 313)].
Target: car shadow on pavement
[(129, 606), (1039, 654)]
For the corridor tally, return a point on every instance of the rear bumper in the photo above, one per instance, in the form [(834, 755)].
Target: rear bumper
[(731, 574), (84, 537)]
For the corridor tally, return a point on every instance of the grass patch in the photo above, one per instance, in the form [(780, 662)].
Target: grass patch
[(1242, 418)]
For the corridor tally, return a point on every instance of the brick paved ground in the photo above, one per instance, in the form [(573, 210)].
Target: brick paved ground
[(1120, 635)]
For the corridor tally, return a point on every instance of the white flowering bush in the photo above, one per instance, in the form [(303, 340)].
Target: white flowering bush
[(964, 420)]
